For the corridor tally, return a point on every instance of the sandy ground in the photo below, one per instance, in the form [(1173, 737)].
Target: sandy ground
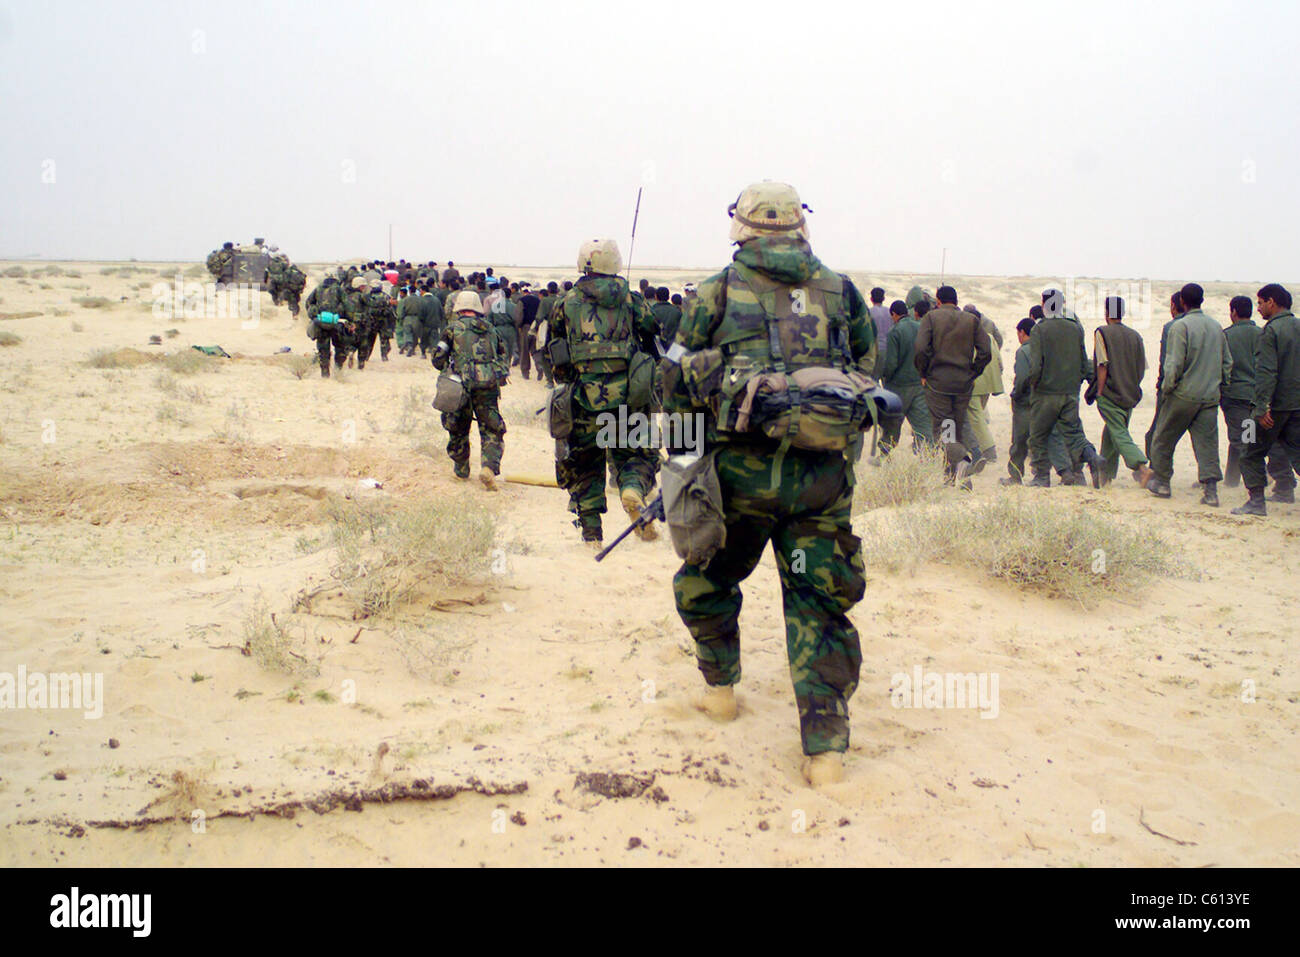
[(142, 522)]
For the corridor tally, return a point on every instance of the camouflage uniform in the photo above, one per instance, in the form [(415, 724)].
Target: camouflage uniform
[(601, 387), (799, 500), (481, 403), (328, 297), (378, 323), (295, 280), (360, 335), (275, 278)]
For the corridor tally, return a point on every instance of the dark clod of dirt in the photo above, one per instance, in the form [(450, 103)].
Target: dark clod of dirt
[(60, 775), (518, 818), (114, 743), (633, 843), (764, 826), (613, 785), (844, 822), (77, 831), (657, 794)]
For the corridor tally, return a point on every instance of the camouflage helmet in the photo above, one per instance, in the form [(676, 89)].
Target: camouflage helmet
[(767, 209), (467, 301), (358, 282), (600, 256)]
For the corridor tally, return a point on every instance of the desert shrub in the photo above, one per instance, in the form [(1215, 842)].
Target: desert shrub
[(169, 413), (388, 553), (236, 429), (1049, 544), (188, 362), (29, 314), (269, 643), (92, 302), (902, 477), (77, 327), (117, 358), (14, 272), (301, 366), (9, 339)]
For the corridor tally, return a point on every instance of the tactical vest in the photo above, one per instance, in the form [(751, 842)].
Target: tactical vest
[(330, 300), (600, 337), (477, 353)]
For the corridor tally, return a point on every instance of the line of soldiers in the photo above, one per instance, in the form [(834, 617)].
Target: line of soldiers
[(347, 320), (262, 265), (1249, 374)]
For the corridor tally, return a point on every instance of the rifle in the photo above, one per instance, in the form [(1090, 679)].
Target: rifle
[(654, 511)]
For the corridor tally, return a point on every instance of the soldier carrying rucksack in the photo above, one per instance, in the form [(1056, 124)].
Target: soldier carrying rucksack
[(473, 360), (600, 340)]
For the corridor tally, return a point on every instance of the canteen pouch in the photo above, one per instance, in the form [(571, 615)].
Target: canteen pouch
[(702, 375), (558, 352), (313, 329), (692, 498), (559, 411), (450, 393), (640, 380)]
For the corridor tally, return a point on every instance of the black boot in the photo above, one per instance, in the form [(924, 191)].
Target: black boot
[(1211, 495), (1283, 496), (1254, 505), (1096, 466), (1043, 480)]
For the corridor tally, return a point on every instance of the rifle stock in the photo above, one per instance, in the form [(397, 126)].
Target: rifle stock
[(654, 511)]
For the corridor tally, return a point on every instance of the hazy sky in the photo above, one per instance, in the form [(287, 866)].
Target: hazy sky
[(1129, 140)]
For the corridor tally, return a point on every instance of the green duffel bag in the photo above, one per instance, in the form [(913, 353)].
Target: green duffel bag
[(559, 411)]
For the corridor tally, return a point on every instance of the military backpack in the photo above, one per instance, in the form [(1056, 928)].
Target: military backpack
[(783, 368)]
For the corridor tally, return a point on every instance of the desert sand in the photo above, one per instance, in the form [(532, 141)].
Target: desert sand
[(147, 515)]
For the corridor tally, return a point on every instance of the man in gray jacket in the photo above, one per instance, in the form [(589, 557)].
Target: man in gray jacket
[(1196, 366)]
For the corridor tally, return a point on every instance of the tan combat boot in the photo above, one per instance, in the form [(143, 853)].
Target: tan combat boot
[(825, 768), (719, 702), (488, 478), (633, 502)]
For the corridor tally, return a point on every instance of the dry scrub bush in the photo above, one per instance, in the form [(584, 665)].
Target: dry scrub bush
[(189, 361), (9, 339), (169, 413), (125, 358), (235, 432), (269, 643), (301, 366), (389, 553), (1051, 545), (14, 272), (902, 478), (92, 302)]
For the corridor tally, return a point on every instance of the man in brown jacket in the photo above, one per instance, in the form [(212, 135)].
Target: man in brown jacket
[(951, 351)]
